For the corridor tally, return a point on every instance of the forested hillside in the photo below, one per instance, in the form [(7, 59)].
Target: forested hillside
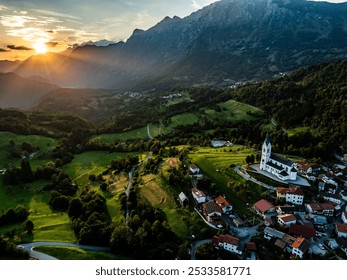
[(314, 99)]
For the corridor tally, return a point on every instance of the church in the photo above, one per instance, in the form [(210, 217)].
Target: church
[(283, 168)]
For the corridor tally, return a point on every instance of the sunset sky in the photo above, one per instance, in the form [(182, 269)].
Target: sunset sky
[(36, 26)]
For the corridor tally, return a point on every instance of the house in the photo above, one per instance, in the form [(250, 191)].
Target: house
[(342, 243), (251, 248), (263, 207), (224, 204), (325, 209), (300, 247), (270, 233), (344, 217), (282, 168), (183, 199), (211, 209), (228, 243), (286, 219), (319, 219), (194, 169), (290, 209), (198, 195), (343, 194), (308, 168), (341, 230), (302, 231), (326, 187), (334, 198), (293, 195)]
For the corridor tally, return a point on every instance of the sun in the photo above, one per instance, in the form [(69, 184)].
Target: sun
[(40, 47)]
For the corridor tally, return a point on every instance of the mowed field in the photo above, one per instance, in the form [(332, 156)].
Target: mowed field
[(230, 110), (91, 163)]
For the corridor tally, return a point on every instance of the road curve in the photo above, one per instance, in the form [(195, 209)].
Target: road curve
[(197, 244), (29, 247)]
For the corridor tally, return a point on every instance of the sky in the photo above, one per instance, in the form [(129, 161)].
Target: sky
[(28, 27)]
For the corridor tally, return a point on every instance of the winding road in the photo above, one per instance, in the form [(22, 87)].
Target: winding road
[(29, 247)]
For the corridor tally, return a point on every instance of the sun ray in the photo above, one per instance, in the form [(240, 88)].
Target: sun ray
[(40, 47)]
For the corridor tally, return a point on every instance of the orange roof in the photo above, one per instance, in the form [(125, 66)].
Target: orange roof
[(222, 201), (301, 243), (263, 205), (341, 227)]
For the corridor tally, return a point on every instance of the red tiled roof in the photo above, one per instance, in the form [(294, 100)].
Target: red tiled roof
[(250, 246), (302, 230), (263, 205), (321, 206), (211, 207), (287, 217), (341, 227), (222, 201), (290, 190), (227, 238)]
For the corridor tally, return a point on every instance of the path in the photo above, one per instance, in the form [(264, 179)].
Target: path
[(29, 247), (197, 244), (148, 132)]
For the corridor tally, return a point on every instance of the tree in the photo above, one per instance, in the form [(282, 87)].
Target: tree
[(28, 226), (26, 172)]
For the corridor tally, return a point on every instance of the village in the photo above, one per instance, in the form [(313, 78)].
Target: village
[(306, 219)]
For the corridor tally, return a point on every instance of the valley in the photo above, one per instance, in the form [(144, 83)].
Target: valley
[(220, 135)]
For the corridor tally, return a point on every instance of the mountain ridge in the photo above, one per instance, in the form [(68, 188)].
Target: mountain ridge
[(225, 42)]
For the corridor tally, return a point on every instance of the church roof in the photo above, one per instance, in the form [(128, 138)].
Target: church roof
[(283, 173), (279, 168), (293, 170), (281, 159)]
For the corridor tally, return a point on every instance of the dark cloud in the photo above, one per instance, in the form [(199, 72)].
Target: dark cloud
[(3, 50), (52, 44), (19, 48)]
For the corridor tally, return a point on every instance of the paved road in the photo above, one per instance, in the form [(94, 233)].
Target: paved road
[(29, 247), (197, 244)]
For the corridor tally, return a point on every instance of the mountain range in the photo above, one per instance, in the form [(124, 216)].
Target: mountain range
[(226, 42)]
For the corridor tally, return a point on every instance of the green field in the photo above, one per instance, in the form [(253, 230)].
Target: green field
[(234, 111), (215, 163), (45, 144), (89, 163)]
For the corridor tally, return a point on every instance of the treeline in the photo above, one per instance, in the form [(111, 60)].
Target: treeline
[(146, 234), (90, 218), (48, 124), (19, 214), (9, 251)]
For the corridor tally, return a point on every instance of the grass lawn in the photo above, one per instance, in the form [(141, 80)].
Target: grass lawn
[(215, 163), (71, 253), (152, 191), (88, 163)]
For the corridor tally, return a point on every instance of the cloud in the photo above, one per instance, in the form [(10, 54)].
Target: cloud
[(19, 48), (2, 7), (52, 44), (56, 14), (15, 21), (3, 50)]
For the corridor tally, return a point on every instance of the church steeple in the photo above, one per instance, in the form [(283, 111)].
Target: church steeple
[(267, 139)]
